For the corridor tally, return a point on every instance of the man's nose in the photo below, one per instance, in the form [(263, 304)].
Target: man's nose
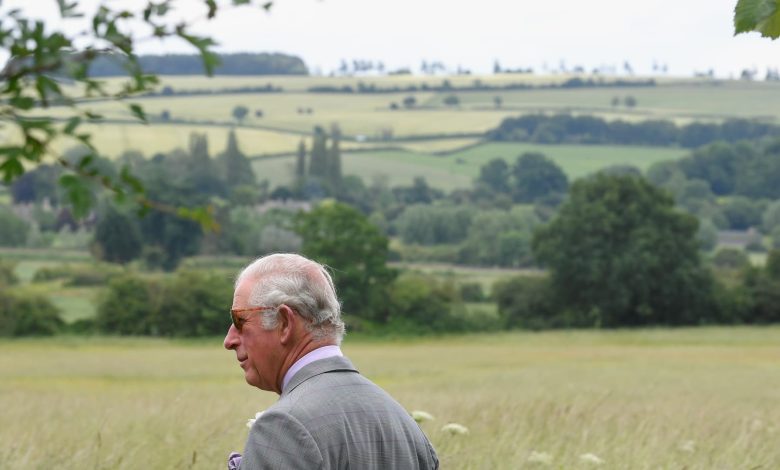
[(231, 339)]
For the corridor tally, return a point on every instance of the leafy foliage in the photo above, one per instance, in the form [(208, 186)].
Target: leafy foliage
[(762, 16), (13, 229), (339, 236), (117, 237), (27, 314), (42, 57), (620, 254), (192, 303)]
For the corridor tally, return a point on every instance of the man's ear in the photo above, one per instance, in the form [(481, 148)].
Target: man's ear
[(288, 322)]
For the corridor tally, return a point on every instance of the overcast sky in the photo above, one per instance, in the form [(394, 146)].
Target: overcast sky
[(686, 35)]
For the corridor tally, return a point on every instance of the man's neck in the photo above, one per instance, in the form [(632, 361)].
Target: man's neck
[(301, 349)]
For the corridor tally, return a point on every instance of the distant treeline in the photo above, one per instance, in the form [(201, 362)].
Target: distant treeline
[(478, 85), (568, 129), (190, 64), (170, 91)]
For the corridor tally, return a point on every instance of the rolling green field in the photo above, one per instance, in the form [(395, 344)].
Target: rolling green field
[(460, 168), (647, 399), (365, 118)]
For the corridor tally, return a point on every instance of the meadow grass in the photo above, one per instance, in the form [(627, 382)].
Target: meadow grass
[(645, 399), (460, 168)]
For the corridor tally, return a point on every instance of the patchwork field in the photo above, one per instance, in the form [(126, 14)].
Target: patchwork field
[(696, 399), (459, 169), (366, 119)]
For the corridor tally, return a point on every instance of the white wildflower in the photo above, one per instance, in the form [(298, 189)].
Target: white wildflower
[(591, 458), (421, 416), (455, 428), (540, 457), (251, 421), (688, 446)]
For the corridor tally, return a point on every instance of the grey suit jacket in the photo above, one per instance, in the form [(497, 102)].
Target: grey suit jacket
[(331, 417)]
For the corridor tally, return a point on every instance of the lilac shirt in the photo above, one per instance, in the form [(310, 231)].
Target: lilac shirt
[(319, 353)]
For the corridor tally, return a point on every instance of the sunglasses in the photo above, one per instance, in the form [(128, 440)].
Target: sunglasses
[(238, 322)]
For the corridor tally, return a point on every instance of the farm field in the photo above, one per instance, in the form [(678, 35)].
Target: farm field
[(368, 117), (459, 169), (646, 399)]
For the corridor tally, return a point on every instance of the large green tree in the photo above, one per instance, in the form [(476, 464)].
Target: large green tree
[(117, 236), (620, 254), (342, 238), (536, 177)]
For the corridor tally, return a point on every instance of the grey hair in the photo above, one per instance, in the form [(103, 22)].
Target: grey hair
[(301, 284)]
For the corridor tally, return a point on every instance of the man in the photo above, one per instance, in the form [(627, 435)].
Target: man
[(286, 333)]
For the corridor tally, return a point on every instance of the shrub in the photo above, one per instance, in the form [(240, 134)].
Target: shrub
[(27, 315), (730, 258), (78, 276), (422, 304), (527, 302), (7, 274), (128, 306), (13, 229), (192, 303), (472, 292)]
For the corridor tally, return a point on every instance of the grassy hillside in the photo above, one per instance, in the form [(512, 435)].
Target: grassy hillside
[(458, 169), (643, 399), (366, 120)]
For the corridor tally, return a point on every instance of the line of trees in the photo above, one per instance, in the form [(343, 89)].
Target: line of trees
[(568, 129), (191, 64), (479, 85)]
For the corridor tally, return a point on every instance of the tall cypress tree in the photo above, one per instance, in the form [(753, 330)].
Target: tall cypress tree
[(334, 159), (201, 169), (236, 167), (300, 164), (318, 166)]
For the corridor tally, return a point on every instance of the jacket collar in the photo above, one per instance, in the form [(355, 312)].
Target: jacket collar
[(323, 366)]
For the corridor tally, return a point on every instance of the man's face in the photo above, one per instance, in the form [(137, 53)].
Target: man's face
[(258, 351)]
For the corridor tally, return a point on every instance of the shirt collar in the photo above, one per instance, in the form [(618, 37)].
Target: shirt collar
[(323, 352)]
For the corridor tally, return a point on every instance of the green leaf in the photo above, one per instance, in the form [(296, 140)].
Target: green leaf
[(11, 168), (138, 112), (67, 10), (241, 2), (71, 126), (267, 6), (202, 43), (85, 162), (203, 215), (131, 180), (212, 6), (762, 16), (22, 102), (78, 194)]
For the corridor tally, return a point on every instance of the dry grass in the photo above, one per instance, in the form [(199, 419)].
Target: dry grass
[(696, 399)]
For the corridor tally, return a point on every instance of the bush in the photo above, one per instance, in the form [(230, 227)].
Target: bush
[(528, 302), (192, 303), (7, 273), (13, 229), (730, 258), (78, 276), (27, 315), (128, 306), (472, 292), (422, 304)]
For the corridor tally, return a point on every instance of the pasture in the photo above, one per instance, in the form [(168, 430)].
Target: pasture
[(366, 119), (459, 168), (646, 399)]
